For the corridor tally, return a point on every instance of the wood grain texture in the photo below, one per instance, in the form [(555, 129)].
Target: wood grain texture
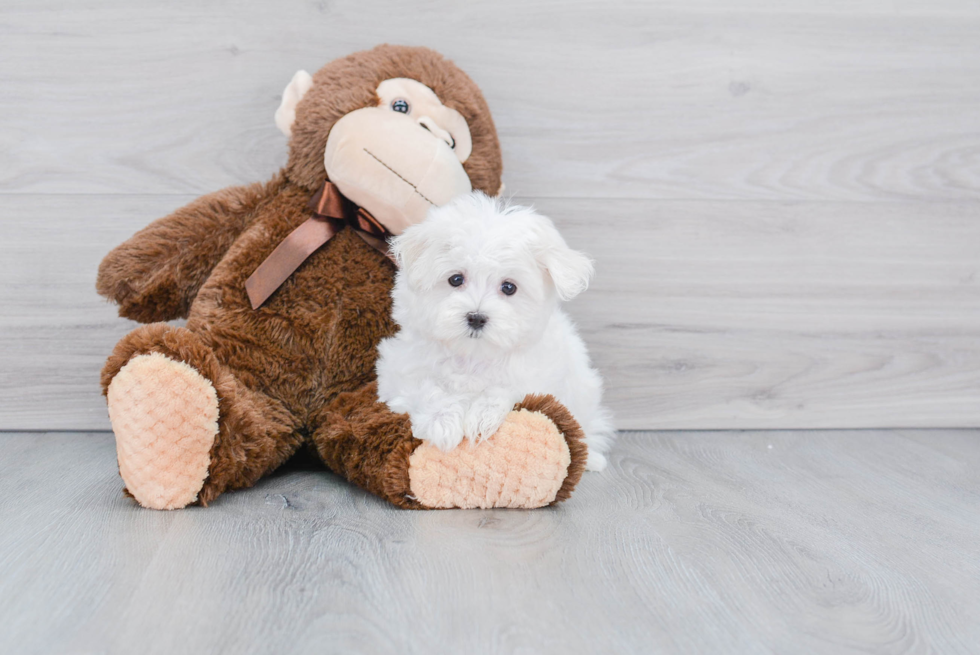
[(772, 542), (784, 201), (707, 314), (765, 315), (870, 100)]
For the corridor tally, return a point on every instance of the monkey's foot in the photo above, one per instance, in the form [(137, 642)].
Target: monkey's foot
[(534, 459), (165, 417)]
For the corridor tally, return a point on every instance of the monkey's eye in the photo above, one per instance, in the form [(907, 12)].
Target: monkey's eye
[(456, 280), (509, 288), (400, 105)]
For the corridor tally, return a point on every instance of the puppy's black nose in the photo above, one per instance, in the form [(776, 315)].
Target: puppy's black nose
[(476, 320)]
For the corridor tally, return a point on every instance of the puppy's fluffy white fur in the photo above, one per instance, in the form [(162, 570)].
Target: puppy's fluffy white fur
[(457, 379)]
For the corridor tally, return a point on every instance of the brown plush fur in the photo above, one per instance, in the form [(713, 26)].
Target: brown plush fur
[(156, 274), (359, 437), (301, 367)]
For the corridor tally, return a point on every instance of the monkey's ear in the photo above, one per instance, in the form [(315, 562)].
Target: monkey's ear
[(295, 90)]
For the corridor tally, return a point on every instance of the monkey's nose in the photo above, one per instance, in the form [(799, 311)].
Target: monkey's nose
[(437, 131), (476, 320)]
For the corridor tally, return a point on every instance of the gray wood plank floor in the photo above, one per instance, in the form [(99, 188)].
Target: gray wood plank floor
[(710, 542)]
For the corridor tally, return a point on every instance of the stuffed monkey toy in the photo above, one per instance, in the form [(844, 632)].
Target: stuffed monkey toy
[(285, 287)]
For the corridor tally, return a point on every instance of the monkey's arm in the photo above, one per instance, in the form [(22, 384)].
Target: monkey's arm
[(155, 275)]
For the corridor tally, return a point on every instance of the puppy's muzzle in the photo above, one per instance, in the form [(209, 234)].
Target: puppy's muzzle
[(476, 320)]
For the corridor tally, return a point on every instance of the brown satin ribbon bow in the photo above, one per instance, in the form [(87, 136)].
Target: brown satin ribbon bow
[(331, 213)]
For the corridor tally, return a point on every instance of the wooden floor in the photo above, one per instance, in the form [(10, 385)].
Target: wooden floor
[(709, 542)]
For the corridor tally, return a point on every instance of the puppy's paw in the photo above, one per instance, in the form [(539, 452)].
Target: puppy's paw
[(444, 429), (484, 417), (596, 461)]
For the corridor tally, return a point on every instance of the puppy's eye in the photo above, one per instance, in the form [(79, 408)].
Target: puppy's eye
[(509, 288), (400, 105), (458, 279)]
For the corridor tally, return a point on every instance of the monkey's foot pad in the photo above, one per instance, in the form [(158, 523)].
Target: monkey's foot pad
[(523, 465), (165, 417)]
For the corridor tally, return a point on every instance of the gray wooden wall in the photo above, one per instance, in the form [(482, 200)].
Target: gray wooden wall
[(783, 198)]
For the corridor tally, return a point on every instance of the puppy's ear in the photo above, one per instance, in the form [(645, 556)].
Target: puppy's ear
[(570, 270)]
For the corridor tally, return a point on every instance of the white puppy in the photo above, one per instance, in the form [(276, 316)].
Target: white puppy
[(477, 298)]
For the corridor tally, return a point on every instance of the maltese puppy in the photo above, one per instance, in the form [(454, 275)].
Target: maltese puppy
[(477, 298)]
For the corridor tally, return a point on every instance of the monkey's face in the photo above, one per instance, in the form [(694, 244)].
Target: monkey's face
[(401, 157), (396, 158)]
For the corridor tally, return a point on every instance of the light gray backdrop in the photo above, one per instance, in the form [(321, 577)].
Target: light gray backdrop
[(783, 199)]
